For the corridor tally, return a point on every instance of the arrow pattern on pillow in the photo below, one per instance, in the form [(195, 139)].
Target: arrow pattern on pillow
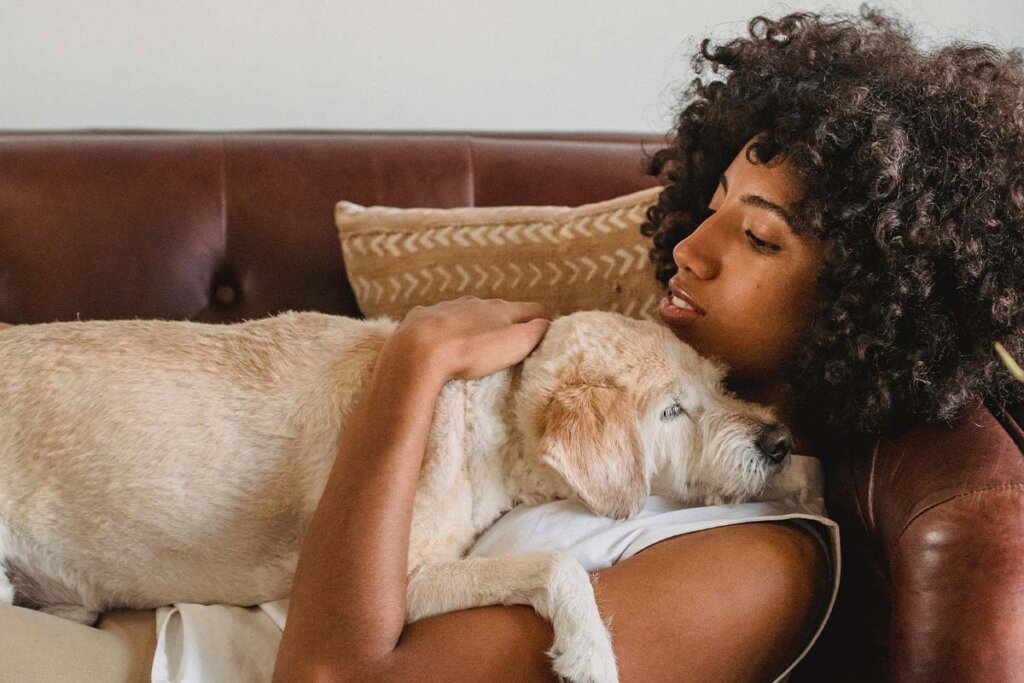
[(608, 277), (500, 234), (433, 283)]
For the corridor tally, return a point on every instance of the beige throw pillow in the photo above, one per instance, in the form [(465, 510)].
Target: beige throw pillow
[(568, 258)]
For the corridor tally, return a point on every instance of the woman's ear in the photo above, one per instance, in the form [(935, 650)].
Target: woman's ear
[(591, 437)]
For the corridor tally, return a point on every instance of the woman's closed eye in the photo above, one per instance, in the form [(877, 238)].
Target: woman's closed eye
[(756, 242), (760, 244)]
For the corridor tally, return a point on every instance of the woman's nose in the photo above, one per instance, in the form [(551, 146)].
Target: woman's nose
[(696, 254)]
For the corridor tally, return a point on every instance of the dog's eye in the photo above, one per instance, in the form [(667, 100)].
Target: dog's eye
[(672, 412)]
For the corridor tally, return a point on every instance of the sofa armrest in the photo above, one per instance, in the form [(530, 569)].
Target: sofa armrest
[(957, 574), (932, 526)]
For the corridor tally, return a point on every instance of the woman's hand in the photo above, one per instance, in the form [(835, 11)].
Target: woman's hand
[(469, 338)]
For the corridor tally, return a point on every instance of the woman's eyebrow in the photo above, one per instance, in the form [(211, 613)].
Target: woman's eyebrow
[(762, 203)]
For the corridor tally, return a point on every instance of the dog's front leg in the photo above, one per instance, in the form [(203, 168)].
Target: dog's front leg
[(552, 582)]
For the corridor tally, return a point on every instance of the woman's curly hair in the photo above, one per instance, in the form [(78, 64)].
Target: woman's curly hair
[(913, 167)]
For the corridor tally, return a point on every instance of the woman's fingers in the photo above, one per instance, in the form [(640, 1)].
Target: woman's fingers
[(471, 337), (523, 311), (500, 348), (524, 337)]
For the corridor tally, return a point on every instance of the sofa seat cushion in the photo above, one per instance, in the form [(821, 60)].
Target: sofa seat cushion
[(41, 648)]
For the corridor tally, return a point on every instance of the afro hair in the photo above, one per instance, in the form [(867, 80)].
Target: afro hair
[(912, 164)]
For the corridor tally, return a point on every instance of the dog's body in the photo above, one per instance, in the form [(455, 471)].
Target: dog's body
[(149, 462)]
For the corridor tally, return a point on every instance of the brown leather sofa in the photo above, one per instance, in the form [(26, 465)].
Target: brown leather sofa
[(222, 227)]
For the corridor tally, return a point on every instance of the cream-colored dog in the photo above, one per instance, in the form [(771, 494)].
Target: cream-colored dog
[(146, 462)]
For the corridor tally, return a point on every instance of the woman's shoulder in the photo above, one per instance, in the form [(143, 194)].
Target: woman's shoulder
[(761, 589)]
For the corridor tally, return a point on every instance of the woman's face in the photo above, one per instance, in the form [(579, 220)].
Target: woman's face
[(749, 275)]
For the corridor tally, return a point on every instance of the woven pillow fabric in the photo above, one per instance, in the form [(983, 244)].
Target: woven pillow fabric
[(589, 257)]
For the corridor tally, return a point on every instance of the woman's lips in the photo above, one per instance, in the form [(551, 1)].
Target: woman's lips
[(674, 310), (685, 299)]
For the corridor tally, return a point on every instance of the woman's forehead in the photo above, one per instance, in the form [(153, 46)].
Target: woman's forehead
[(777, 173), (765, 186)]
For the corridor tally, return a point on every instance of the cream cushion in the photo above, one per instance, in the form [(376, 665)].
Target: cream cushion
[(568, 258), (41, 648)]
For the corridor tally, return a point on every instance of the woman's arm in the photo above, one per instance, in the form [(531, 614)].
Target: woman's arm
[(4, 325), (347, 604), (347, 608)]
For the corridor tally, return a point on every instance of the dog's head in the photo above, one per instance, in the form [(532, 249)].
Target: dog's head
[(620, 408)]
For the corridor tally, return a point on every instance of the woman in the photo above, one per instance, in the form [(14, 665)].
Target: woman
[(844, 215)]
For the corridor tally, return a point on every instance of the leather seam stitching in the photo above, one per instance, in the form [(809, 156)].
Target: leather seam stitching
[(868, 521), (999, 487)]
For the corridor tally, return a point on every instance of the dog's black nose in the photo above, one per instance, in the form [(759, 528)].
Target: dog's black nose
[(774, 442)]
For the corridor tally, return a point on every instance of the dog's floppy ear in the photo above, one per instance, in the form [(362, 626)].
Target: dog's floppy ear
[(592, 439)]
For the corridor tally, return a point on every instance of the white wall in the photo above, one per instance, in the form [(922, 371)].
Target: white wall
[(583, 65)]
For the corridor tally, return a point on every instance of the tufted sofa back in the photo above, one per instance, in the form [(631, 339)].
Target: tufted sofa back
[(222, 227)]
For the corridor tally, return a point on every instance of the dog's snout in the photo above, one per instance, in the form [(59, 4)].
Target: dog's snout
[(774, 442)]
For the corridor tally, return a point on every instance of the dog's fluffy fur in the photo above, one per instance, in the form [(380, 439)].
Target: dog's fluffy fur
[(146, 462)]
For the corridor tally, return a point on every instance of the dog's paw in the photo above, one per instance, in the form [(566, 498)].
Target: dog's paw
[(584, 655)]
